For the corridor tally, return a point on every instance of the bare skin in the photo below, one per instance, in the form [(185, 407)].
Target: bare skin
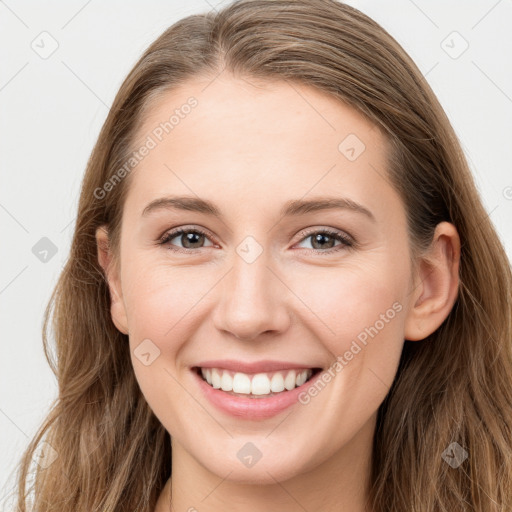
[(250, 149)]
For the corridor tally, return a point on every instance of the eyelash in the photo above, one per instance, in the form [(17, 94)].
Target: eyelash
[(346, 241)]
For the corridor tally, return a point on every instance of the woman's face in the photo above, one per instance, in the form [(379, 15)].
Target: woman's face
[(265, 283)]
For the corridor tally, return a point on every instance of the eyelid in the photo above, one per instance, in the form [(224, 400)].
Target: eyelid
[(304, 233), (186, 227)]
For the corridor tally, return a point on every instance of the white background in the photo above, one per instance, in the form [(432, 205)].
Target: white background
[(52, 110)]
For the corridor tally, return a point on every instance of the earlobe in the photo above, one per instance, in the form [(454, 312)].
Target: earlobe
[(436, 288), (106, 261)]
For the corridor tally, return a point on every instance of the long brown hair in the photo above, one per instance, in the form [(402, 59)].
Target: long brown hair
[(453, 387)]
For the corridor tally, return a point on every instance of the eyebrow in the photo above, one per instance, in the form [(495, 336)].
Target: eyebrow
[(293, 207)]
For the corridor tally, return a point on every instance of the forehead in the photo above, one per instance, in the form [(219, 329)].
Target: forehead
[(257, 142), (228, 109)]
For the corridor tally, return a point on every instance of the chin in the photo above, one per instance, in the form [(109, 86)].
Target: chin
[(265, 470)]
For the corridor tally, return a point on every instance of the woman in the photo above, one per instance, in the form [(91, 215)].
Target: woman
[(284, 292)]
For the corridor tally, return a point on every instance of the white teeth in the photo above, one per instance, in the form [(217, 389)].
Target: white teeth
[(241, 383), (301, 378), (226, 382), (277, 383), (258, 384), (215, 379), (289, 382)]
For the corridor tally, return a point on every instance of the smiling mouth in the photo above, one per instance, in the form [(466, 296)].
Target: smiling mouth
[(259, 385)]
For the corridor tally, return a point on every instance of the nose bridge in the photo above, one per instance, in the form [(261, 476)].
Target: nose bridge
[(252, 300)]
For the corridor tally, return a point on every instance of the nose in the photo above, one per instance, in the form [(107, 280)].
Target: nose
[(253, 301)]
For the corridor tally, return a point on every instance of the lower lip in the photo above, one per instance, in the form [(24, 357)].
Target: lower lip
[(253, 408)]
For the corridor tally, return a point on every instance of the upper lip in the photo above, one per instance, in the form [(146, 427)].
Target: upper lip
[(255, 366)]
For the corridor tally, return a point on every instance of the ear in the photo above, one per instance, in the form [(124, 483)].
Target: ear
[(110, 268), (436, 284)]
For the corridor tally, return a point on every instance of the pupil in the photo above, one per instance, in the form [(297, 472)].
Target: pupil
[(318, 238), (190, 238)]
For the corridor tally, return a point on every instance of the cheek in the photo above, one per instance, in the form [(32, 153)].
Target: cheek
[(353, 303), (164, 306), (160, 306), (160, 300)]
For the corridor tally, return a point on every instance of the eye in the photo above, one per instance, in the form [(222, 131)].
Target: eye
[(325, 240), (190, 238)]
